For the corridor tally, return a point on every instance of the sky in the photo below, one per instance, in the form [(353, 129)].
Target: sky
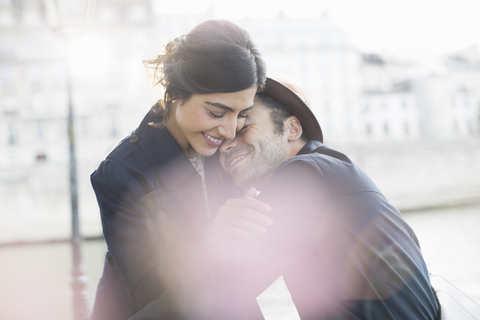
[(388, 26)]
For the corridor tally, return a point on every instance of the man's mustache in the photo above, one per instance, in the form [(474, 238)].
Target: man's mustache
[(225, 176), (232, 153)]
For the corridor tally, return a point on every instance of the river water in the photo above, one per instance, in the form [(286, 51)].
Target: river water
[(35, 279)]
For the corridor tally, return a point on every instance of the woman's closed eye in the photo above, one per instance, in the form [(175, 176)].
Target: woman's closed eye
[(216, 114), (243, 115)]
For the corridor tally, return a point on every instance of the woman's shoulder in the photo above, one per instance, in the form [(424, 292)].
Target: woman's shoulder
[(125, 161), (124, 147), (110, 172), (148, 155)]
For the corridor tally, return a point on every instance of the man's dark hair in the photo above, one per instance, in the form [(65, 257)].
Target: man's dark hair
[(278, 113)]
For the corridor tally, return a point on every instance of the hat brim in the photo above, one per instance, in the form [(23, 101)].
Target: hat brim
[(297, 106)]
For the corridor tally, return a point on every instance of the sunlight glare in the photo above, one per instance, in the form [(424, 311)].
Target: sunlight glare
[(88, 55)]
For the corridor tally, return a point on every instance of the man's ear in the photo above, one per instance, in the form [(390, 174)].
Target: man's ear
[(294, 128)]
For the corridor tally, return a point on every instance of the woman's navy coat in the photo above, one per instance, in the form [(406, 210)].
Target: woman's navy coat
[(151, 203)]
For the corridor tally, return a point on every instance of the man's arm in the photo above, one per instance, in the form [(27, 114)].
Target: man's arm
[(382, 267)]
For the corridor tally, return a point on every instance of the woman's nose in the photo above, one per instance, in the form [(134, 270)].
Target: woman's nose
[(228, 145), (228, 129)]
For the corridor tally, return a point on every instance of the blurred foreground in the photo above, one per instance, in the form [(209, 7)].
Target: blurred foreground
[(36, 279)]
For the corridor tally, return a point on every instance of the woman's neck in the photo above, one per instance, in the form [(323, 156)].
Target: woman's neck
[(177, 134)]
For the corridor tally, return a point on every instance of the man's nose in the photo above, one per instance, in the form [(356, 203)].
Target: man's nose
[(228, 129)]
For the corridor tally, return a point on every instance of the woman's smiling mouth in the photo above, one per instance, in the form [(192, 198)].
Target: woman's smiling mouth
[(211, 140)]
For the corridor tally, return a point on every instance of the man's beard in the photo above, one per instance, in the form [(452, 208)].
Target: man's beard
[(261, 164)]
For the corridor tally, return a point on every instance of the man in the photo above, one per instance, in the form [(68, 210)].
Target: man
[(343, 250)]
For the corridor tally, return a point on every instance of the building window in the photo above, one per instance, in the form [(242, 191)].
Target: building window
[(113, 128), (39, 130), (368, 129), (12, 135), (35, 76), (41, 158), (33, 42), (456, 127), (6, 49), (6, 76), (406, 129)]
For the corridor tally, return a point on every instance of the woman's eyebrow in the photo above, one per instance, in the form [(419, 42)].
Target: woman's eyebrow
[(249, 108), (225, 107)]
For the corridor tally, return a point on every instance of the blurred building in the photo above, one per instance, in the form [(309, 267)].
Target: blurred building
[(359, 98), (389, 108), (413, 102), (322, 59), (110, 94)]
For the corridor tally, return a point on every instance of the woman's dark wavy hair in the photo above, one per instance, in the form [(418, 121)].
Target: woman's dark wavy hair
[(215, 56)]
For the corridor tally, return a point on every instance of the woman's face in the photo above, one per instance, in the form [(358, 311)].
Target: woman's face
[(201, 123)]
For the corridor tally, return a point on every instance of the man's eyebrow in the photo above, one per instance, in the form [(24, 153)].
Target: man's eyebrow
[(221, 105)]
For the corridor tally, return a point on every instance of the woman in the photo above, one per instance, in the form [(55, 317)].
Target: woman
[(156, 190)]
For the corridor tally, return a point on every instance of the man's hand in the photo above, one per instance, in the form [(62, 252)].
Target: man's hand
[(236, 220), (241, 217)]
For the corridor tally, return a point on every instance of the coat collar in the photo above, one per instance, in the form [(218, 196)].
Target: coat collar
[(310, 146), (171, 165)]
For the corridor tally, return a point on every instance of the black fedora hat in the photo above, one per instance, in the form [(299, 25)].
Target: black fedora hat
[(295, 99)]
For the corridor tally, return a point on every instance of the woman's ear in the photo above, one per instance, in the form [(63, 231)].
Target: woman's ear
[(294, 128)]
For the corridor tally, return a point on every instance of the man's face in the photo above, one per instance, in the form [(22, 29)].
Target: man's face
[(256, 151)]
